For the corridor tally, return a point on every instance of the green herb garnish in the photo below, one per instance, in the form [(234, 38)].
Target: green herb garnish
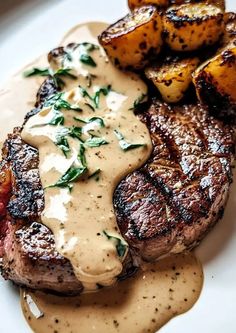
[(91, 120), (121, 247), (67, 56), (139, 101), (84, 93), (98, 120), (96, 98), (74, 172), (70, 176), (95, 142), (37, 72), (58, 118), (126, 145), (87, 60), (90, 106), (75, 132), (56, 76), (89, 46), (105, 91), (57, 102), (81, 156), (62, 143)]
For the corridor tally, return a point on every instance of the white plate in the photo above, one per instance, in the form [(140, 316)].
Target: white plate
[(29, 28)]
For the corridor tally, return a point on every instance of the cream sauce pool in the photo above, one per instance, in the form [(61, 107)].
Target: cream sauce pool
[(159, 291), (140, 304)]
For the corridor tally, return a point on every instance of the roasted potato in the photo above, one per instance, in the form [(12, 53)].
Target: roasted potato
[(139, 3), (219, 3), (130, 41), (173, 79), (188, 27), (215, 80), (230, 29)]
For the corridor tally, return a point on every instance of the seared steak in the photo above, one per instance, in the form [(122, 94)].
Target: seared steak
[(166, 206), (27, 248), (174, 199)]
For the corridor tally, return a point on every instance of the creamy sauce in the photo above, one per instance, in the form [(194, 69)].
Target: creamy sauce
[(159, 291), (83, 219), (140, 304)]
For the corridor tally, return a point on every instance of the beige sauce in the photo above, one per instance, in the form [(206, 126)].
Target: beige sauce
[(83, 219), (140, 304)]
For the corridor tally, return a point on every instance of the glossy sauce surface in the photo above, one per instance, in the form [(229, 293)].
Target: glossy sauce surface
[(99, 128), (143, 303)]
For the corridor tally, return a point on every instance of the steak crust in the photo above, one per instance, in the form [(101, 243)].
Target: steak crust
[(166, 206), (27, 247), (180, 193)]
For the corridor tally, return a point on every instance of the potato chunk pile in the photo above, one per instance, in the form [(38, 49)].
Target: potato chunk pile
[(178, 44)]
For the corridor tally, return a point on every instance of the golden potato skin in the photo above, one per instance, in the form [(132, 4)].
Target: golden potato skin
[(189, 27), (215, 80), (230, 29), (130, 41), (139, 3), (219, 3), (173, 79)]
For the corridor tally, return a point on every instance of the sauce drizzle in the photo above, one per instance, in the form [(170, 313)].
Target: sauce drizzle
[(94, 125)]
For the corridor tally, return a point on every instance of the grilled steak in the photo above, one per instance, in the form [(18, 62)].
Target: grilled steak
[(27, 248), (166, 206), (174, 199)]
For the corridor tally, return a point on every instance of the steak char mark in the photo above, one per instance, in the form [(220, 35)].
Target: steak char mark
[(165, 207), (178, 195)]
